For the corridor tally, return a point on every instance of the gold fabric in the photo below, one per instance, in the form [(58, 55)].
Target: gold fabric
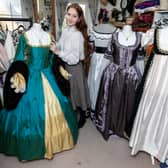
[(64, 73), (57, 133), (18, 82)]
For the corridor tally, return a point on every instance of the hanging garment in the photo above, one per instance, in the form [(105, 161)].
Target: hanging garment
[(9, 46), (151, 123), (115, 112), (100, 37), (4, 60), (4, 65), (43, 123)]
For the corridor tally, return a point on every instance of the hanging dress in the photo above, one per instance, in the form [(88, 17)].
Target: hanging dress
[(149, 132), (100, 36), (115, 103), (43, 123)]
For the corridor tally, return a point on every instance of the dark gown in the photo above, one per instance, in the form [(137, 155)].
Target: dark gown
[(115, 112)]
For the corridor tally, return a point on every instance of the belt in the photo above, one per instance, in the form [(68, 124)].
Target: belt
[(100, 49)]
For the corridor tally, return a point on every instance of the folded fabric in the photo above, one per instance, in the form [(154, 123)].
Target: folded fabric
[(147, 4)]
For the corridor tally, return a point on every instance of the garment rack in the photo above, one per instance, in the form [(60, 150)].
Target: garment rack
[(17, 19)]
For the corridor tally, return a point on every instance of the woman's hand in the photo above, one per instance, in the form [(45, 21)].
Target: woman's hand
[(54, 49)]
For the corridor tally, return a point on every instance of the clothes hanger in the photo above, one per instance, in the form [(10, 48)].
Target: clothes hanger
[(19, 29)]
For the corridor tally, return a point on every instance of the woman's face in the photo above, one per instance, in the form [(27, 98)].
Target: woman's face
[(72, 17)]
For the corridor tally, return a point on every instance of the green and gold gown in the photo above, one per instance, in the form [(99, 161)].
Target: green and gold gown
[(43, 123)]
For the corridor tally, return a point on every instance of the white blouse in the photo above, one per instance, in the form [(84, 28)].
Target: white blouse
[(71, 46)]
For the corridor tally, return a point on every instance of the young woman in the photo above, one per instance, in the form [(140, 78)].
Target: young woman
[(74, 49)]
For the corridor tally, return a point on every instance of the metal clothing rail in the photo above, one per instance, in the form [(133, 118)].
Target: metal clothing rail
[(17, 19)]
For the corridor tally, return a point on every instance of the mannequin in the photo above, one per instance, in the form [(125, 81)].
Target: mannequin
[(126, 36), (37, 36)]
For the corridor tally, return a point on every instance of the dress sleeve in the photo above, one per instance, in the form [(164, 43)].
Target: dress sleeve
[(20, 49), (73, 50)]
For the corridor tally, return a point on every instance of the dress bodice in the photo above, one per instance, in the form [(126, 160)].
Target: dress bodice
[(101, 34), (124, 56), (36, 57), (39, 57)]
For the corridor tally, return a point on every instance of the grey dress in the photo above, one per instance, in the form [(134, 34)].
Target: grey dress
[(115, 112)]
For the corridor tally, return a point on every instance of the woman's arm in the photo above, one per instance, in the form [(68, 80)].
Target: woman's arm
[(73, 49)]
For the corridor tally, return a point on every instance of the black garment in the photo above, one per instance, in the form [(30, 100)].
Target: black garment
[(63, 84), (11, 98)]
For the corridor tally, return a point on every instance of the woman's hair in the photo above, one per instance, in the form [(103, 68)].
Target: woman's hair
[(82, 27)]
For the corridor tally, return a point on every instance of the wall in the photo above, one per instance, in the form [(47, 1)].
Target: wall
[(27, 8)]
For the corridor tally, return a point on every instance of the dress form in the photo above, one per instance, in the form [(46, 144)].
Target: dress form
[(126, 36), (162, 40), (37, 36)]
